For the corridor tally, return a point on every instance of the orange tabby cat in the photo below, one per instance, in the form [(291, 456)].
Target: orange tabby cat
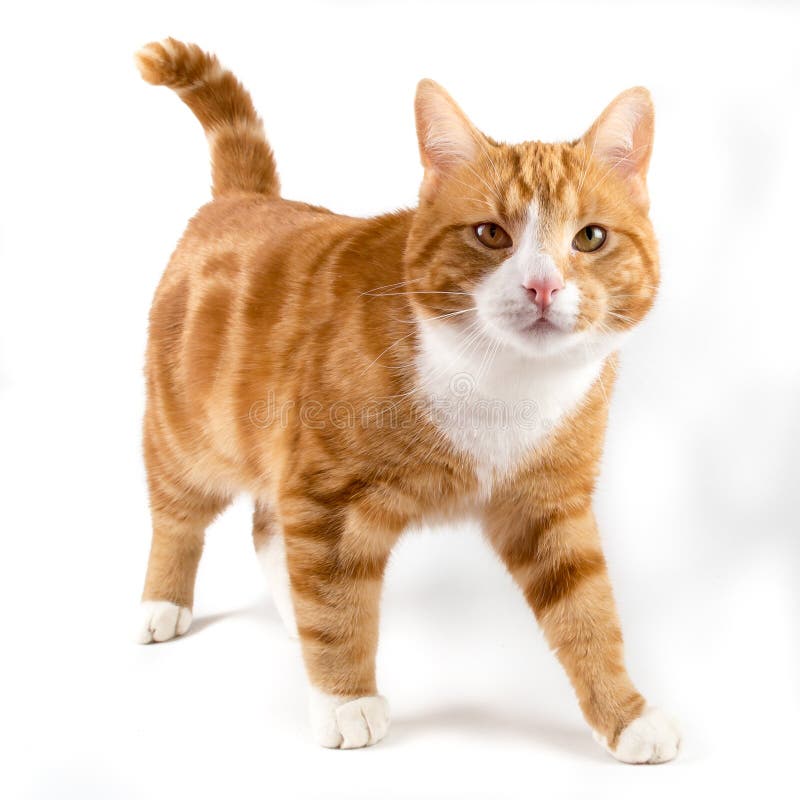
[(358, 376)]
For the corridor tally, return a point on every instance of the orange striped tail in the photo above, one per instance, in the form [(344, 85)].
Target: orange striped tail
[(241, 158)]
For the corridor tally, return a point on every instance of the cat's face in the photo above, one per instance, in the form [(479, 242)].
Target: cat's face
[(545, 248)]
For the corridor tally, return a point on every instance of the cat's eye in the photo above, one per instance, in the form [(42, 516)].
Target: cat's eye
[(589, 239), (492, 235)]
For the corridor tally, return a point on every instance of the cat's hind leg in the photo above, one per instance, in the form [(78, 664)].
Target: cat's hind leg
[(271, 551), (180, 514)]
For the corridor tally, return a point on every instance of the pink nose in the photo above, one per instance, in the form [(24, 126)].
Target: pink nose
[(543, 290)]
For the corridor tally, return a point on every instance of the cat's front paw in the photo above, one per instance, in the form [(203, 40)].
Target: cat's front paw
[(161, 621), (652, 738), (348, 722)]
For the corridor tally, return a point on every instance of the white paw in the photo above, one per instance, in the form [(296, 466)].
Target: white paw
[(161, 621), (651, 738), (347, 722), (273, 561)]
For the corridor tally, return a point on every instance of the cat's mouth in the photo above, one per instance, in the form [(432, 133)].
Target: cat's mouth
[(532, 331), (542, 326)]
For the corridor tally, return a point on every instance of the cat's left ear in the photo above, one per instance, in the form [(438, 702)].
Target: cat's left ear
[(446, 136), (622, 138)]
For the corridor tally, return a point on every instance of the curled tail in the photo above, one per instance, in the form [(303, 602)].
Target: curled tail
[(241, 158)]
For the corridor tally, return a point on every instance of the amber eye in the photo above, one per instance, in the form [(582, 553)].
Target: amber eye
[(589, 239), (492, 235)]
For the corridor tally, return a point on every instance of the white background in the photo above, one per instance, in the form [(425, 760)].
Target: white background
[(698, 497)]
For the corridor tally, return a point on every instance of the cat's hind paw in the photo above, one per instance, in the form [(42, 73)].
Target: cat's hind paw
[(347, 723), (162, 621), (651, 738)]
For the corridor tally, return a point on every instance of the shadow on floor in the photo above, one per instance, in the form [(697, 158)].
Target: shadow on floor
[(263, 613), (574, 740)]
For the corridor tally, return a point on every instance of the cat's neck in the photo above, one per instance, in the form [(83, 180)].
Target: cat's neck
[(495, 404)]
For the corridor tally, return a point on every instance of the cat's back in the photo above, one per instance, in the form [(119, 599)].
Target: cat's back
[(232, 243), (233, 235)]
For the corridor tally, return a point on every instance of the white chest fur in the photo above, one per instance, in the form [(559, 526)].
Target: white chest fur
[(496, 405)]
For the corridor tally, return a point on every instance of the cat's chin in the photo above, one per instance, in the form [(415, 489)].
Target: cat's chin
[(548, 344)]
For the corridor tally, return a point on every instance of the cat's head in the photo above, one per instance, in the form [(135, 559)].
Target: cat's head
[(546, 248)]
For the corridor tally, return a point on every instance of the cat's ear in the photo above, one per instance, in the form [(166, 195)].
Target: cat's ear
[(622, 138), (446, 136)]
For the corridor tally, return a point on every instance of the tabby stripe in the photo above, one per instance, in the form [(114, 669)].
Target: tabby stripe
[(206, 343), (519, 551), (556, 581), (167, 321)]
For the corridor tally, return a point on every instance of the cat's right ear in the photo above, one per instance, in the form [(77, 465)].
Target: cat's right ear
[(446, 136)]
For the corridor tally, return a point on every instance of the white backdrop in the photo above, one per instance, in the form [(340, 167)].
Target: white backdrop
[(698, 499)]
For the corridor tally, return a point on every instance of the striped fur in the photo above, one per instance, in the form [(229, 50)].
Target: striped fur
[(241, 159), (282, 361)]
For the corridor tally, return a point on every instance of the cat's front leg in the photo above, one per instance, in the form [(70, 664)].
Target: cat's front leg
[(336, 559), (556, 558)]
